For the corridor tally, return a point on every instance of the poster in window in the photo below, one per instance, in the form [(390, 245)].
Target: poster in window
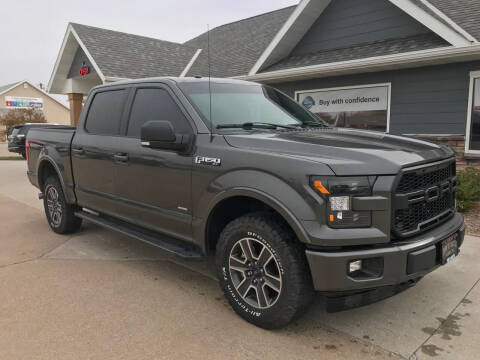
[(365, 107)]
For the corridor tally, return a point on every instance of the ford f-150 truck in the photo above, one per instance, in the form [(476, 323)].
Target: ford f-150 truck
[(287, 204)]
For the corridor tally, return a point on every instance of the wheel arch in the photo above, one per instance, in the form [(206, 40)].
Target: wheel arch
[(46, 167), (258, 199)]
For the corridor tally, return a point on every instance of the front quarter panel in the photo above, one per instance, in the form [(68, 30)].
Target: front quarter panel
[(280, 181)]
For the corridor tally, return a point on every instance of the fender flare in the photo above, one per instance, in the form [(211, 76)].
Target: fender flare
[(47, 159), (262, 196)]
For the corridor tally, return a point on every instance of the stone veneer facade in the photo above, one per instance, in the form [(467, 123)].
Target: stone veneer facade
[(457, 144)]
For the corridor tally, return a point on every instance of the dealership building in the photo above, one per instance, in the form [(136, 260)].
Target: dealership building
[(399, 66), (24, 95)]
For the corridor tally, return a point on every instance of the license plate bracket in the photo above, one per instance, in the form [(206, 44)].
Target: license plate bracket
[(449, 248)]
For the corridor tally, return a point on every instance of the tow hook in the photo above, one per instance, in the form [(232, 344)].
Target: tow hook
[(41, 196)]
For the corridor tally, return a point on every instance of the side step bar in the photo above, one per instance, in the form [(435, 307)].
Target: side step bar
[(163, 242)]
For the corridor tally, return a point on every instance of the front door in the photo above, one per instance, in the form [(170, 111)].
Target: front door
[(153, 186)]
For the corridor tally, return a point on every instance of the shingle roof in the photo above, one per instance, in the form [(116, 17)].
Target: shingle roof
[(235, 47), (421, 5), (8, 86), (466, 13), (379, 48), (119, 54)]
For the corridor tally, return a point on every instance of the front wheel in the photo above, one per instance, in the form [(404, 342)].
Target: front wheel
[(60, 214), (263, 270)]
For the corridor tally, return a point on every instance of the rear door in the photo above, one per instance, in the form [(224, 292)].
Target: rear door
[(153, 185), (94, 147)]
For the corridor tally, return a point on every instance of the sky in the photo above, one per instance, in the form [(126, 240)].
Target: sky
[(32, 35)]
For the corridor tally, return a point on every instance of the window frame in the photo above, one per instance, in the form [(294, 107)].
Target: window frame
[(90, 101), (353, 87), (162, 86), (474, 75)]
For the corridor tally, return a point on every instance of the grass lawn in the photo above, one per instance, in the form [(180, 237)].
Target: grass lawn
[(11, 158)]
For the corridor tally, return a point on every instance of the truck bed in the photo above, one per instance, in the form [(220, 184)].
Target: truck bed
[(53, 144)]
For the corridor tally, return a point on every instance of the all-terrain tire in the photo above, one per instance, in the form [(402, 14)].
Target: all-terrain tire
[(264, 231), (62, 220)]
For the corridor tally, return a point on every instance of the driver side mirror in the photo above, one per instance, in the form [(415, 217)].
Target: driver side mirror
[(160, 135)]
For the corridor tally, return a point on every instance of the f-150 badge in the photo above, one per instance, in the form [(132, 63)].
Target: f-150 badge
[(208, 161)]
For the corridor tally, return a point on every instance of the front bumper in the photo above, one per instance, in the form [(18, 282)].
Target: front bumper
[(329, 268)]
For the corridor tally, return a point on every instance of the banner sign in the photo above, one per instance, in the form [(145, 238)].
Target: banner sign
[(16, 102), (345, 100)]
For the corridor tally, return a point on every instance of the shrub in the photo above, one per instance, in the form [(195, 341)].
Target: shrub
[(14, 117), (468, 188)]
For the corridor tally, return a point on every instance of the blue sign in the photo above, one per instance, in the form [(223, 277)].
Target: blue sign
[(308, 102)]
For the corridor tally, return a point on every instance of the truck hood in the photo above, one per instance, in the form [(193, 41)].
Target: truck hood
[(346, 151)]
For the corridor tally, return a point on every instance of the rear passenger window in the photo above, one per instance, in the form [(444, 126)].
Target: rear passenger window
[(105, 113), (155, 104)]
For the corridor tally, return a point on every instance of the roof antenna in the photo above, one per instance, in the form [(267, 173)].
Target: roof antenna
[(209, 82)]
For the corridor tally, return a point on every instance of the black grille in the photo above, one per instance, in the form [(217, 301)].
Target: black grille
[(425, 197), (425, 178)]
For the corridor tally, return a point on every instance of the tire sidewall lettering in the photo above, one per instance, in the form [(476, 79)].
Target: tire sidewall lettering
[(272, 250), (225, 276)]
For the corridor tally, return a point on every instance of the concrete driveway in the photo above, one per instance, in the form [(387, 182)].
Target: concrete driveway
[(100, 295), (4, 151)]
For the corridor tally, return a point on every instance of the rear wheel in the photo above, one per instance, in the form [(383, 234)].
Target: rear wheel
[(263, 270), (60, 214)]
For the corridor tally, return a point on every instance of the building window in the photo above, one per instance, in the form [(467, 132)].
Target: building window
[(472, 143), (360, 107)]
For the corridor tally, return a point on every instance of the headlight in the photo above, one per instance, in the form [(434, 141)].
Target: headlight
[(339, 193)]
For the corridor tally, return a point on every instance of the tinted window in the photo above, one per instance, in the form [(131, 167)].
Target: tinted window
[(155, 104), (105, 113)]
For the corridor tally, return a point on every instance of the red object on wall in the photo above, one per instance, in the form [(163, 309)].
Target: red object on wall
[(84, 70)]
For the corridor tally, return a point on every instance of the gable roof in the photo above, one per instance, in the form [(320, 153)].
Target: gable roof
[(263, 44), (124, 55), (308, 11), (5, 88), (465, 13), (235, 47)]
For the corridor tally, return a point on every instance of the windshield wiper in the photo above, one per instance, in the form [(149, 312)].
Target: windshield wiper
[(256, 125), (315, 124)]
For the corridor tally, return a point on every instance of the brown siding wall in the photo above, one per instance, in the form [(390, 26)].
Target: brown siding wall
[(53, 111)]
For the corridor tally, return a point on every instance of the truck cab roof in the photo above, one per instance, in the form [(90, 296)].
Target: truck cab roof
[(178, 80)]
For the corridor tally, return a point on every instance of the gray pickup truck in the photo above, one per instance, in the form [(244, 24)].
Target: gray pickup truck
[(287, 204)]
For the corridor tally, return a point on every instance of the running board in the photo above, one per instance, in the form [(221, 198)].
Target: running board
[(163, 242)]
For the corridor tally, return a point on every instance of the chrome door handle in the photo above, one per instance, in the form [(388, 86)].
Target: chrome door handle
[(122, 158), (78, 151)]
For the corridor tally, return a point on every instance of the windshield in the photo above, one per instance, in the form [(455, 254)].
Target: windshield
[(237, 104)]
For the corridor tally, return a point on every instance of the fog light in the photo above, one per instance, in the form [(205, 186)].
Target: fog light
[(354, 266)]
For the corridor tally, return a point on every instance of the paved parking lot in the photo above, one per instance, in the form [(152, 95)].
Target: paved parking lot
[(98, 294)]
